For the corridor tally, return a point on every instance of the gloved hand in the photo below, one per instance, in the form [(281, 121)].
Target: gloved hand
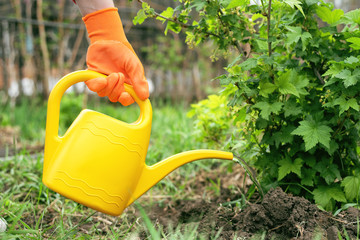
[(110, 53)]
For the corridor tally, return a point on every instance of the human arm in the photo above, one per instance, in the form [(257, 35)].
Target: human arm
[(110, 53)]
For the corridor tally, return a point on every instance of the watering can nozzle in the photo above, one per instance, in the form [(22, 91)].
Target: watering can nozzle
[(100, 161)]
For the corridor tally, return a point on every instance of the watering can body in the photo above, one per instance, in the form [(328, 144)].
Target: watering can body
[(100, 161)]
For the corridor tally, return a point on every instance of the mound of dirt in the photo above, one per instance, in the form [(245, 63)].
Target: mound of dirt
[(279, 216)]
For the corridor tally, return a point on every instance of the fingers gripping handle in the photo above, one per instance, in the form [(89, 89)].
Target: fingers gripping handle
[(53, 109)]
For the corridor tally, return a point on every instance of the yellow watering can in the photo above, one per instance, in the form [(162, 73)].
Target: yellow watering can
[(100, 161)]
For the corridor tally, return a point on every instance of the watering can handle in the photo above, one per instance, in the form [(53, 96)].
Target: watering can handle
[(53, 109)]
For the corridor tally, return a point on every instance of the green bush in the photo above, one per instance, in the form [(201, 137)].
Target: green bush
[(293, 88)]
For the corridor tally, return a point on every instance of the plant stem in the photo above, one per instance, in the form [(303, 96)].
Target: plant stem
[(250, 172), (268, 27), (317, 74)]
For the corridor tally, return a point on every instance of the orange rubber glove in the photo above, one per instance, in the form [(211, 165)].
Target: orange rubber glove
[(110, 53)]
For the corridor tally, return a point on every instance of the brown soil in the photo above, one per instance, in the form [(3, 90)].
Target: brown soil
[(279, 215), (10, 143)]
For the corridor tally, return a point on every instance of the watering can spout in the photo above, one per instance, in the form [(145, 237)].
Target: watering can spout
[(153, 174)]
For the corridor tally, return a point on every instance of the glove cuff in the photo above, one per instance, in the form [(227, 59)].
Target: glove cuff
[(105, 24)]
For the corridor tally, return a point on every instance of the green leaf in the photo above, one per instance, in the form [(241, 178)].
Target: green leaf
[(355, 76), (267, 88), (328, 171), (237, 3), (333, 70), (344, 74), (349, 79), (351, 186), (350, 60), (173, 27), (308, 177), (291, 109), (263, 45), (294, 35), (324, 194), (344, 104), (268, 108), (140, 17), (198, 4), (313, 133), (355, 42), (284, 85), (305, 37), (329, 16), (287, 166), (295, 3), (250, 63), (284, 135), (353, 16), (168, 13), (300, 82)]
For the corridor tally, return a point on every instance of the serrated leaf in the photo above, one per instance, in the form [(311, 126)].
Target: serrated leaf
[(333, 147), (283, 136), (333, 70), (168, 13), (353, 16), (324, 194), (349, 79), (284, 85), (173, 27), (351, 186), (294, 35), (140, 17), (266, 88), (291, 109), (287, 166), (248, 64), (237, 3), (344, 74), (329, 172), (305, 37), (355, 42), (300, 82), (263, 45), (311, 2), (329, 16), (351, 60), (313, 133), (295, 3), (344, 104), (267, 108), (353, 104), (198, 5), (307, 178)]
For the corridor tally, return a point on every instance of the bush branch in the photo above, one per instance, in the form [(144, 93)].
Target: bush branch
[(174, 20), (268, 27)]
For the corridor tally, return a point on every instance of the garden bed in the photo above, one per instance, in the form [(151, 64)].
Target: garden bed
[(278, 216)]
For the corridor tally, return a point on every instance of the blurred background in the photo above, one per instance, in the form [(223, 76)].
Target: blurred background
[(42, 40)]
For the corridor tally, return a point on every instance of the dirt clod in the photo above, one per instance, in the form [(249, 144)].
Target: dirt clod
[(279, 215)]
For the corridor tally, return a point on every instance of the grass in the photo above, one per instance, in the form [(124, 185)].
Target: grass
[(35, 212)]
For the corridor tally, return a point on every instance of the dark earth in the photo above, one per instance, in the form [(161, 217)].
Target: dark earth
[(278, 216)]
